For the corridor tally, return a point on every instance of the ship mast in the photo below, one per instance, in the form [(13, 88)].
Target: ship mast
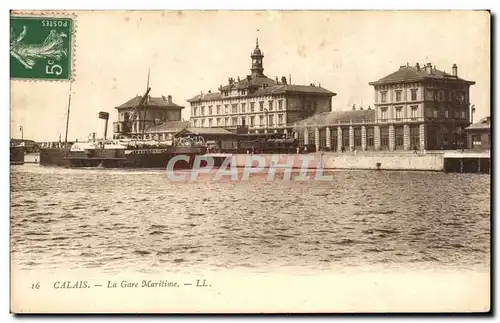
[(67, 117), (145, 108)]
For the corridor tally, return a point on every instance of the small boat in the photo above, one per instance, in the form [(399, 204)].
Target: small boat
[(17, 152)]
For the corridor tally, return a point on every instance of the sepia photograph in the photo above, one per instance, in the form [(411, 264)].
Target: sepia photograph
[(250, 161)]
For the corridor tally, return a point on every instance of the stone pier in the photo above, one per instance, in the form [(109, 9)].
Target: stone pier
[(406, 137), (316, 138), (339, 139), (392, 138), (328, 138), (351, 138), (363, 138), (376, 139), (422, 133)]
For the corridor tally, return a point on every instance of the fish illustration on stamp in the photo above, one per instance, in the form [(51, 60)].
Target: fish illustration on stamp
[(40, 48)]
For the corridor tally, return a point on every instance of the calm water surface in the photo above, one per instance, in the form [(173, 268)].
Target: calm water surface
[(113, 220)]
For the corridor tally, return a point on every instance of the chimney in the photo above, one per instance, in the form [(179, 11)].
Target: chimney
[(455, 70), (290, 79), (428, 68), (169, 99), (283, 80), (417, 65), (277, 82)]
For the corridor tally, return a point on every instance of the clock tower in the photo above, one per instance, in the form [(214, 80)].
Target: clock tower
[(257, 66)]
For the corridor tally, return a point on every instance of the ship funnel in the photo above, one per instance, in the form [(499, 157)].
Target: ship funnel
[(105, 116)]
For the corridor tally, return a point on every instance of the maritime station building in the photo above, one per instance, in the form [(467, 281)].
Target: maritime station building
[(415, 107), (257, 103)]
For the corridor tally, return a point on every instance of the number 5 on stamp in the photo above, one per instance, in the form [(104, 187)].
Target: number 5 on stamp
[(40, 48)]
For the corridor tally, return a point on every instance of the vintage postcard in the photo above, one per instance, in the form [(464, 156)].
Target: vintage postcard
[(250, 161)]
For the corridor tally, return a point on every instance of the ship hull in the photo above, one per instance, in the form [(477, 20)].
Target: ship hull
[(17, 155), (136, 158), (160, 158), (54, 157)]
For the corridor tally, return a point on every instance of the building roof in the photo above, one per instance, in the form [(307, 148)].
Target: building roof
[(249, 82), (417, 73), (270, 90), (169, 126), (161, 102), (484, 123), (333, 117), (205, 131)]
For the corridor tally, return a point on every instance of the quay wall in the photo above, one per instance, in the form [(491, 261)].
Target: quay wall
[(422, 162)]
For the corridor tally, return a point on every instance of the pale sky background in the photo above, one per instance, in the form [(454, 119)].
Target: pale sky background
[(193, 51)]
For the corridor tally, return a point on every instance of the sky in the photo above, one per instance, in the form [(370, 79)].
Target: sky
[(192, 51)]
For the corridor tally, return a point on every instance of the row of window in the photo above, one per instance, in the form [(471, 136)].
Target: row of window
[(384, 114), (236, 108), (227, 93), (399, 95), (436, 95), (243, 121), (439, 113), (370, 137), (431, 112)]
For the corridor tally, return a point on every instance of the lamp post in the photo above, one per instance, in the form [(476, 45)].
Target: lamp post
[(22, 132)]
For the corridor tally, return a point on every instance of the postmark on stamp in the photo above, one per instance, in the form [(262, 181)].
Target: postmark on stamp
[(40, 47)]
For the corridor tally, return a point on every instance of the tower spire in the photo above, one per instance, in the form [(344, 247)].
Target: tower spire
[(257, 64)]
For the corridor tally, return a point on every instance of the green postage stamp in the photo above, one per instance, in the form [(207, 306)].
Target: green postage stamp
[(41, 47)]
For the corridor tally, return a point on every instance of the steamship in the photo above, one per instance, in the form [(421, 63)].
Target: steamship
[(125, 152)]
